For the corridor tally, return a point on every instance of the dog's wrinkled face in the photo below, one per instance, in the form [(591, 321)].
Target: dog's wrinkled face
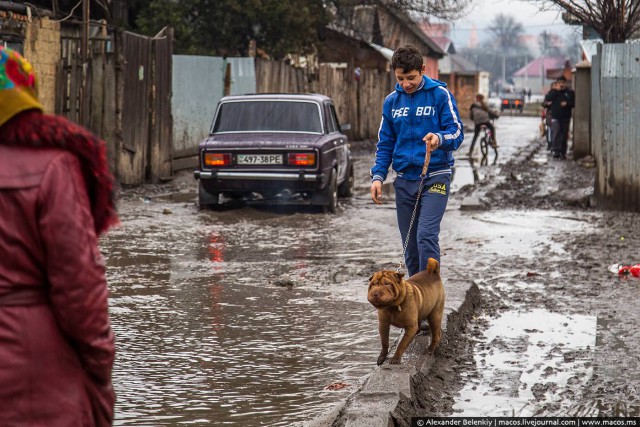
[(384, 287)]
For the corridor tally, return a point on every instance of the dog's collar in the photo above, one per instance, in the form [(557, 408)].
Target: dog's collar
[(403, 294)]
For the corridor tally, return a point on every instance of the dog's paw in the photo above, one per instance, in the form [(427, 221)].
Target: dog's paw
[(381, 359), (394, 361)]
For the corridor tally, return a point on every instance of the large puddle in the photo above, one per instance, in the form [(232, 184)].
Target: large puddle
[(242, 317), (517, 351)]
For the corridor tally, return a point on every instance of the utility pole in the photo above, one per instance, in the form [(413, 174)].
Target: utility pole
[(84, 94), (526, 71), (504, 77), (85, 30)]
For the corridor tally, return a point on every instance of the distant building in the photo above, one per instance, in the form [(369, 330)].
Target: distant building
[(463, 78), (388, 27), (535, 75)]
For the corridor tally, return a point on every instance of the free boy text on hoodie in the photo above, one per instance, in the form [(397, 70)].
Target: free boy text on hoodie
[(406, 119)]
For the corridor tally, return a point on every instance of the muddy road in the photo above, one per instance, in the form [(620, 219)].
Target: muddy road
[(252, 316)]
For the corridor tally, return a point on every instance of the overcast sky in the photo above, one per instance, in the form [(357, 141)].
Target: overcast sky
[(532, 19)]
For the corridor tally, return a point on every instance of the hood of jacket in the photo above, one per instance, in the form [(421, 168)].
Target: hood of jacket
[(427, 84)]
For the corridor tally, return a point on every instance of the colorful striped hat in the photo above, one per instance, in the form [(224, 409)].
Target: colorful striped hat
[(18, 85)]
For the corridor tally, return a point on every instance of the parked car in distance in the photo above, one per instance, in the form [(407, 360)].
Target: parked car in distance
[(275, 149), (512, 101)]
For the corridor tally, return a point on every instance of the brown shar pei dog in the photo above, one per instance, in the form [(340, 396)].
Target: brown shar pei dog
[(405, 303)]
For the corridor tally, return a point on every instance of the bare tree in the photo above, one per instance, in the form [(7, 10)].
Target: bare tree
[(547, 45), (506, 33), (448, 10), (615, 20), (443, 9)]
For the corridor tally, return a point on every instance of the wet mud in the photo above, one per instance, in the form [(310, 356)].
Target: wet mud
[(556, 334), (254, 316)]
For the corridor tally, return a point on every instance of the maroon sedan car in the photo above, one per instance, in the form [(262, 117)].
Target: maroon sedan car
[(275, 149)]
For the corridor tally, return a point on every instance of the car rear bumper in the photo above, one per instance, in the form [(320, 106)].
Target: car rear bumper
[(258, 176)]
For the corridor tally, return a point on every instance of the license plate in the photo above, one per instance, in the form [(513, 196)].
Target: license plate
[(259, 159)]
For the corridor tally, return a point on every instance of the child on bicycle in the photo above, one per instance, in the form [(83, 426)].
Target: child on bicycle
[(482, 114)]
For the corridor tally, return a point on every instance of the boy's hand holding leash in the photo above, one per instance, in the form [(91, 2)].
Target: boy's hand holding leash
[(432, 141)]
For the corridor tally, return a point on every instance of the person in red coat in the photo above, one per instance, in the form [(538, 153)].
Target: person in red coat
[(56, 197)]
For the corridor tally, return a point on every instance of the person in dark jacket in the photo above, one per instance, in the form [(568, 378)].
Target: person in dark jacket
[(482, 114), (560, 100), (419, 115), (56, 343)]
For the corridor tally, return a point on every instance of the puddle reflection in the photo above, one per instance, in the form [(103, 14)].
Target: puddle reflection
[(206, 336)]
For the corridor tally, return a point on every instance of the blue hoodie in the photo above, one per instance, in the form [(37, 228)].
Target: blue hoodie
[(406, 119)]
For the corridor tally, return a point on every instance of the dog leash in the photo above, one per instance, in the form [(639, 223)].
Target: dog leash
[(423, 175)]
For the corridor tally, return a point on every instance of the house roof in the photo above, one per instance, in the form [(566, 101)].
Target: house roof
[(539, 66), (384, 51), (589, 48), (438, 33), (458, 64), (445, 44), (413, 26)]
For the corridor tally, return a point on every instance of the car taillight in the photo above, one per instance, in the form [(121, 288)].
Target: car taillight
[(217, 159), (505, 101), (302, 159)]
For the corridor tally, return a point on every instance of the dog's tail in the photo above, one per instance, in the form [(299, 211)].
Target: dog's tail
[(433, 266)]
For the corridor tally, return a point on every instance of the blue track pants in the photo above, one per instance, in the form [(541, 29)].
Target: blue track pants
[(424, 240)]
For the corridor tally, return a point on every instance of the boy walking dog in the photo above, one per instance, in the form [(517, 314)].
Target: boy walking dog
[(419, 115)]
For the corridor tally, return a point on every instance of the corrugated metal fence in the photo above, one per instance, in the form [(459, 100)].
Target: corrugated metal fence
[(615, 132), (192, 104), (198, 84)]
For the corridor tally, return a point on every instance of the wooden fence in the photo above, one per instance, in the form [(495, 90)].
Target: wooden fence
[(123, 94), (357, 101)]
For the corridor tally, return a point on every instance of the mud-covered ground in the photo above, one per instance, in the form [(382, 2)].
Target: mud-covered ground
[(206, 298), (556, 334)]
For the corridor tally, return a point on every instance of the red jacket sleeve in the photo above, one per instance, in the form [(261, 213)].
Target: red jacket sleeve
[(74, 266)]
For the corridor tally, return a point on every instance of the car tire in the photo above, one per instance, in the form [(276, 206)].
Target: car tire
[(207, 200), (331, 194), (347, 188)]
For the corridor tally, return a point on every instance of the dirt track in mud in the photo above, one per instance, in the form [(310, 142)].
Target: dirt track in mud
[(557, 332)]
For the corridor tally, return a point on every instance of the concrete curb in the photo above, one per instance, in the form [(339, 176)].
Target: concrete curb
[(390, 387)]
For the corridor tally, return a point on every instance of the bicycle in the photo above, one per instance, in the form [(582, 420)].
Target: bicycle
[(487, 141)]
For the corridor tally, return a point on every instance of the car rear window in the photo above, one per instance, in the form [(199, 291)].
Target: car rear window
[(268, 116)]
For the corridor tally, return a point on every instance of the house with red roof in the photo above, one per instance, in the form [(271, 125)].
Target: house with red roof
[(538, 74)]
